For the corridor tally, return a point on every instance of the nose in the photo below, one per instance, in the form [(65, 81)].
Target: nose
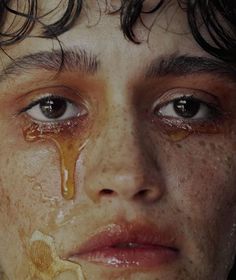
[(121, 165)]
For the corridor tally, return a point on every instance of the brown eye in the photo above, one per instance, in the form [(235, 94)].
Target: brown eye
[(53, 108), (186, 107)]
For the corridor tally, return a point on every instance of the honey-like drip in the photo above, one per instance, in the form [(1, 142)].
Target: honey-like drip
[(178, 135), (46, 264), (69, 144), (179, 131)]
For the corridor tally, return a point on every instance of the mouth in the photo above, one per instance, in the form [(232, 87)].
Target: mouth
[(128, 246)]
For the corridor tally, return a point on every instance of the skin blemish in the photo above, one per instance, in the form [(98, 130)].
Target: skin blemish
[(46, 264), (3, 275), (69, 143)]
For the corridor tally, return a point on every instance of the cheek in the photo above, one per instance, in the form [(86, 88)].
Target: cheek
[(201, 184), (30, 184), (29, 195), (206, 175)]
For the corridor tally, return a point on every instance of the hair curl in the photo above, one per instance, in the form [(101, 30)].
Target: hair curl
[(218, 17)]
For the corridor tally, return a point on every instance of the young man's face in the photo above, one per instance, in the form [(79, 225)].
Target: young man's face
[(126, 167)]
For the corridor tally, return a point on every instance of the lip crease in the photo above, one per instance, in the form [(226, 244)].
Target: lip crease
[(130, 245)]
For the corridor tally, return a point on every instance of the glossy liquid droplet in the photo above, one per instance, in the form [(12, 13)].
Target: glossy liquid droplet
[(179, 135), (179, 131), (69, 146)]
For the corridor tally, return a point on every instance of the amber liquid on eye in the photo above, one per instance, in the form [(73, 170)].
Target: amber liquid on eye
[(69, 146)]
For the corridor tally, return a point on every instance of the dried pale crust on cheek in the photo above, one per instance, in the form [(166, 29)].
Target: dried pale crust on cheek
[(45, 263)]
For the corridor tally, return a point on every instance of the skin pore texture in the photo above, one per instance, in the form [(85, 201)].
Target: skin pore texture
[(120, 160)]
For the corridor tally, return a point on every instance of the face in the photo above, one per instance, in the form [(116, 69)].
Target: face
[(121, 166)]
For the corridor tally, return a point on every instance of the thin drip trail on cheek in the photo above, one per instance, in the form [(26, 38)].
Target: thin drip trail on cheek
[(69, 146), (69, 153)]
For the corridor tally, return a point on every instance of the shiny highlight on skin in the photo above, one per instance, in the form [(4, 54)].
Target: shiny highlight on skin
[(69, 145)]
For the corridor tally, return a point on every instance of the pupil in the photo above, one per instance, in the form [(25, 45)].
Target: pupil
[(186, 107), (53, 108)]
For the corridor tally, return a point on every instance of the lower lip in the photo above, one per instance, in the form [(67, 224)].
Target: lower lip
[(143, 256)]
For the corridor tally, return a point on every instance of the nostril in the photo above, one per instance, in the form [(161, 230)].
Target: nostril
[(142, 193), (149, 194), (107, 192)]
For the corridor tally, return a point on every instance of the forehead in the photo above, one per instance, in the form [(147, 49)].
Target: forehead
[(98, 31), (163, 30)]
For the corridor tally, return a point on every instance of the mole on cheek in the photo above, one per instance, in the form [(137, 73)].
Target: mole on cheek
[(69, 144)]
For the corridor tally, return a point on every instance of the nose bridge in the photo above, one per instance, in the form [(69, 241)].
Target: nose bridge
[(122, 148), (120, 165)]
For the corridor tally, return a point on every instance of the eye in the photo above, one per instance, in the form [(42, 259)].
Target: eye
[(54, 109), (187, 107)]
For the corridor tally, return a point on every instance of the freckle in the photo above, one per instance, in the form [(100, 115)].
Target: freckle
[(213, 146), (229, 161), (179, 146), (41, 255), (182, 180), (202, 143)]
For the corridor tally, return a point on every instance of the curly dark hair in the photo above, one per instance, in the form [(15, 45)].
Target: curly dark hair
[(218, 17)]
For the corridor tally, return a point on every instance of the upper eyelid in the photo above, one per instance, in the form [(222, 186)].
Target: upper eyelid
[(175, 93), (214, 107), (164, 101), (37, 101), (59, 90)]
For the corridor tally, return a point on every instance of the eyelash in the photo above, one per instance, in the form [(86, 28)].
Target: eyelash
[(37, 102)]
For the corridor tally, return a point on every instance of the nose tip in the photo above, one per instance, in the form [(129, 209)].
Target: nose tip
[(128, 185), (149, 195), (122, 164)]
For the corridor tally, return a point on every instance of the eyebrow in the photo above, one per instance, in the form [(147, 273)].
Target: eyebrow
[(187, 65), (76, 59), (73, 59)]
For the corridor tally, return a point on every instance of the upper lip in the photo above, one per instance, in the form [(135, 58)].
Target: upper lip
[(119, 235)]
